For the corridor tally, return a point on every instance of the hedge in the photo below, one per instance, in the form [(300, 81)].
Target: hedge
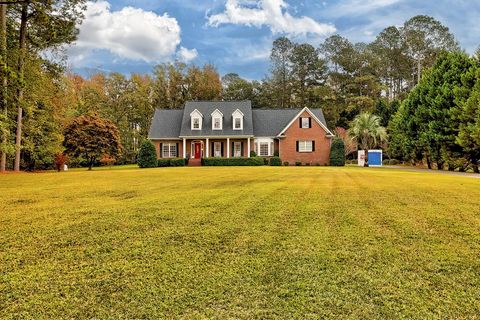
[(174, 162), (275, 161), (147, 157), (254, 161), (337, 153)]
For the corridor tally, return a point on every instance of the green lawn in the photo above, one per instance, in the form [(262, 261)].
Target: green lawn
[(239, 242)]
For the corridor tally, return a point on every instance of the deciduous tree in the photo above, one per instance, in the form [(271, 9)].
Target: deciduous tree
[(91, 137)]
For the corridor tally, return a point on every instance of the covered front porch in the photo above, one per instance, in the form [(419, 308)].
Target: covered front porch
[(228, 147)]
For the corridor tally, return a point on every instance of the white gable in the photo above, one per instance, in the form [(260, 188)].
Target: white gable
[(237, 114), (196, 113), (217, 113), (196, 120)]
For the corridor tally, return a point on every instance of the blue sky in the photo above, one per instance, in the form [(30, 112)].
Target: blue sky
[(236, 35)]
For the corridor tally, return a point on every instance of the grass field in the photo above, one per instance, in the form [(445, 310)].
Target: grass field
[(257, 242)]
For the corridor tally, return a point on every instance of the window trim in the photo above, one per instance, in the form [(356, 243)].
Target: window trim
[(241, 123), (307, 119), (237, 146), (195, 114), (263, 143), (215, 144), (237, 114), (305, 149), (199, 123), (271, 146), (213, 123), (167, 154)]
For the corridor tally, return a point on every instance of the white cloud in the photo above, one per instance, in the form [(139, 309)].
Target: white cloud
[(130, 33), (270, 13), (187, 55), (355, 8)]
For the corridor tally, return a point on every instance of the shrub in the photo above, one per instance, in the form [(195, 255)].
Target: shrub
[(174, 162), (394, 162), (275, 161), (147, 157), (286, 163), (298, 163), (253, 154), (60, 160), (163, 163), (107, 160), (337, 153), (265, 161), (307, 163), (180, 162), (317, 164), (253, 161)]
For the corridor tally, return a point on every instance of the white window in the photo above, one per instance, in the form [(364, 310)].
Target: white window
[(237, 149), (169, 150), (305, 146), (305, 123), (217, 120), (217, 149), (217, 123), (263, 149), (237, 120), (237, 123), (196, 119), (196, 123)]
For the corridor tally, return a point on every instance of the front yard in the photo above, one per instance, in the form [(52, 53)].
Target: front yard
[(239, 242)]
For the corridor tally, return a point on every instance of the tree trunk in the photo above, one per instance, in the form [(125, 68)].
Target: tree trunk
[(429, 163), (419, 70), (91, 162), (439, 165), (21, 71), (3, 79)]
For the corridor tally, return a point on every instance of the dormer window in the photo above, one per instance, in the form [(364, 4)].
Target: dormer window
[(217, 124), (196, 123), (237, 120), (217, 120), (196, 118)]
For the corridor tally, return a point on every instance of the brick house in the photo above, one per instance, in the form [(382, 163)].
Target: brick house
[(234, 129)]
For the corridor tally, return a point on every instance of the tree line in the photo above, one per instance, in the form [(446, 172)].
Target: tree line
[(345, 79)]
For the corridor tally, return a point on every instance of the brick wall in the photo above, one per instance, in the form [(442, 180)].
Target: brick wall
[(288, 145), (157, 143)]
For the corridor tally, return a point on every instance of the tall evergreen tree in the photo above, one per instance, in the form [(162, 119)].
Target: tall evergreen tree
[(281, 71)]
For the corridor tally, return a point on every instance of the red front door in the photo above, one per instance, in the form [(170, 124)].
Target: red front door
[(198, 150)]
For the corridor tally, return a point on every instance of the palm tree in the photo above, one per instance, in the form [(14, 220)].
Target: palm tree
[(366, 129)]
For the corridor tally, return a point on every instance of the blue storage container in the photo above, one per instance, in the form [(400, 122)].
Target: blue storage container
[(375, 158)]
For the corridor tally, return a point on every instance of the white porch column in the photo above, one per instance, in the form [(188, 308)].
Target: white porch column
[(248, 147), (184, 148), (228, 147), (206, 148)]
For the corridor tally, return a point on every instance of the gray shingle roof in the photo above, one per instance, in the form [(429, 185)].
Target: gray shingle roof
[(270, 122), (175, 123), (166, 123), (206, 108)]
